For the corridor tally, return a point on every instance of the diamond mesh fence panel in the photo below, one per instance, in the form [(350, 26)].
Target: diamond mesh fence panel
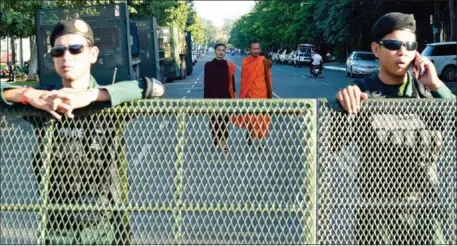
[(387, 175), (160, 172), (196, 172)]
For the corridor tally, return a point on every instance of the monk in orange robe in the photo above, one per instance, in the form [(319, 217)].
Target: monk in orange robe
[(256, 83)]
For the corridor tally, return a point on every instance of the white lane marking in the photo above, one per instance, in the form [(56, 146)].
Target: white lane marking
[(325, 83), (190, 88), (195, 82), (303, 77), (335, 68), (295, 74)]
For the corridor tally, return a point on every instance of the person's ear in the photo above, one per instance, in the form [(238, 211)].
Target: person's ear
[(94, 54), (375, 47)]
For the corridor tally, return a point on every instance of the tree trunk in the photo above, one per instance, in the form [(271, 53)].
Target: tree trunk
[(7, 50), (21, 54), (33, 64), (13, 52), (452, 19)]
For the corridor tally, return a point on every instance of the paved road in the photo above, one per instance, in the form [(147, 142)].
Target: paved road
[(242, 176), (288, 81)]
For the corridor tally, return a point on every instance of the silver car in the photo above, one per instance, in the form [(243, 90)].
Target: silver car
[(361, 63)]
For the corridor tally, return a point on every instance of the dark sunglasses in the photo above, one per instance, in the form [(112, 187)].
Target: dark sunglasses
[(59, 51), (396, 44)]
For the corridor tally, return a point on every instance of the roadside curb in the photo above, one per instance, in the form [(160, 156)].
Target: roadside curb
[(335, 68)]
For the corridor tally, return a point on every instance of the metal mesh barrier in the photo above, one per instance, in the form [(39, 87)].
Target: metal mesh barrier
[(157, 172), (387, 176), (149, 50), (108, 22), (154, 172)]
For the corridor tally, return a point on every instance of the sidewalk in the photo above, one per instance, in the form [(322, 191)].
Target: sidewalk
[(336, 66)]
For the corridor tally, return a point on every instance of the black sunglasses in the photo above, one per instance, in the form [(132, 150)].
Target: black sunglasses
[(59, 51), (396, 44)]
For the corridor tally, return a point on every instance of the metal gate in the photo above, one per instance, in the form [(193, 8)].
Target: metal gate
[(151, 172)]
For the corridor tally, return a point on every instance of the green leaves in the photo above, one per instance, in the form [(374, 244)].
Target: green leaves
[(280, 24)]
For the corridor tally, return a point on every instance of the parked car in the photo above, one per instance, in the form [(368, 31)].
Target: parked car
[(303, 55), (276, 57), (443, 55), (194, 58), (361, 63), (291, 57), (283, 57)]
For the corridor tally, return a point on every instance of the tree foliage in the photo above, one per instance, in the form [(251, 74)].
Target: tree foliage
[(342, 25), (211, 32), (195, 26), (17, 17)]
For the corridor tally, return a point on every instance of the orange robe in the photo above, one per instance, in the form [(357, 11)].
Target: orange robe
[(256, 83)]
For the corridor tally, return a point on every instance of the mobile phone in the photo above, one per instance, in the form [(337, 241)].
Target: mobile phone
[(416, 69)]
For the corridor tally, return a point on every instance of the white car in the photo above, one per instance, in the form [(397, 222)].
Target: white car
[(194, 58), (291, 57), (444, 57), (283, 57), (303, 55), (276, 56), (361, 63)]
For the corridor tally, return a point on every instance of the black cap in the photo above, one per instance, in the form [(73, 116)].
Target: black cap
[(391, 22), (74, 26)]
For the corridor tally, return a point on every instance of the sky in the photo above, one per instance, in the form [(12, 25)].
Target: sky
[(218, 10)]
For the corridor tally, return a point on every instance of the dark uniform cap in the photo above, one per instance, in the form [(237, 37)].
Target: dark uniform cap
[(391, 22), (74, 26)]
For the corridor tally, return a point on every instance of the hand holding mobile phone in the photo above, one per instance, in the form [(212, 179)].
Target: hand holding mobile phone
[(417, 71), (425, 72)]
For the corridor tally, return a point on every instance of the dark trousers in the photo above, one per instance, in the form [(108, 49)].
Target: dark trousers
[(219, 131)]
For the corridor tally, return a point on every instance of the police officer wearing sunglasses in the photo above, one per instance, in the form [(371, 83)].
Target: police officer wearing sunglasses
[(86, 155), (397, 179), (394, 44), (73, 53)]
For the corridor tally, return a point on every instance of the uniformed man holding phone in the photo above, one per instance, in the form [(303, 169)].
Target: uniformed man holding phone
[(397, 179)]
